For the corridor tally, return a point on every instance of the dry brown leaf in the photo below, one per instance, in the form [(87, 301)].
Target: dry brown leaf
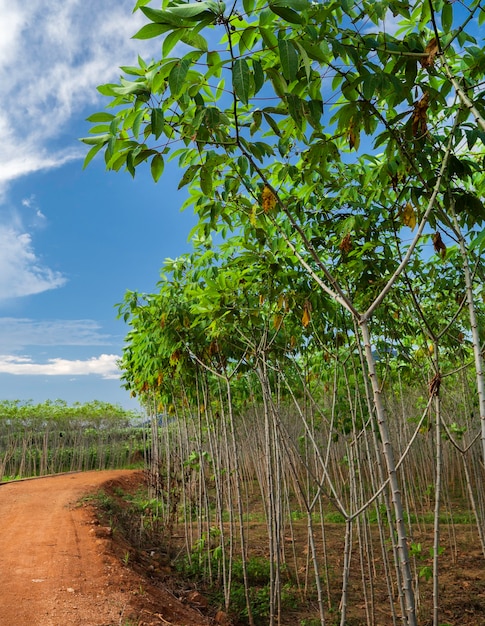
[(346, 244), (306, 318), (277, 321), (434, 385), (419, 118), (354, 136), (283, 302), (438, 245), (430, 51)]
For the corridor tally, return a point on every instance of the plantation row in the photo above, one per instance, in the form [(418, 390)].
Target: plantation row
[(251, 468), (54, 437), (320, 351)]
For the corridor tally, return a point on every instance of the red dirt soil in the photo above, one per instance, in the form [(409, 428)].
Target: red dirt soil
[(57, 567)]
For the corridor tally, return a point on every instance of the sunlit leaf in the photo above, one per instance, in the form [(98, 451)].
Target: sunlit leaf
[(288, 59), (149, 31), (91, 154), (268, 199), (177, 76), (195, 9), (306, 317), (408, 215), (157, 167)]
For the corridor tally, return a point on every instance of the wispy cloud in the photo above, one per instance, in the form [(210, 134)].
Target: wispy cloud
[(390, 24), (52, 57), (105, 366), (22, 273), (18, 333)]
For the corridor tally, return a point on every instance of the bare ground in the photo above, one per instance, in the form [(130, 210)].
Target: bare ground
[(57, 567), (60, 567)]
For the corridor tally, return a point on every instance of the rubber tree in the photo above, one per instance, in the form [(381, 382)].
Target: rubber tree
[(276, 112)]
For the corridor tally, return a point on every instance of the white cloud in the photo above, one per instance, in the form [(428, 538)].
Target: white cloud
[(21, 272), (52, 57), (31, 203), (18, 333), (105, 366), (390, 24)]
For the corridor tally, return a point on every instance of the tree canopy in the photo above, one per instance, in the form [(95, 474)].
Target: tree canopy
[(336, 150)]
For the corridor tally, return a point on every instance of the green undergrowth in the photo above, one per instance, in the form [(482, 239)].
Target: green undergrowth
[(137, 519), (142, 523)]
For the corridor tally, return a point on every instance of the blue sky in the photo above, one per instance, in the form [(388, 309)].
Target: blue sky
[(71, 241)]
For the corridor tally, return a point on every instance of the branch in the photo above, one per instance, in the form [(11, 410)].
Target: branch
[(422, 224)]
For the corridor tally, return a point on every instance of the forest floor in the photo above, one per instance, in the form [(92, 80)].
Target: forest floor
[(59, 566)]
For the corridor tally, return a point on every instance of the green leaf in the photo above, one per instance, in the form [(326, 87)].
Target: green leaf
[(149, 31), (370, 85), (314, 112), (162, 17), (91, 154), (156, 167), (157, 121), (195, 9), (170, 41), (139, 4), (94, 141), (137, 123), (194, 40), (266, 17), (102, 116), (295, 108), (241, 80), (447, 16), (257, 119), (206, 180), (278, 82), (316, 53), (288, 59), (287, 14), (258, 75), (478, 242), (268, 38), (189, 175), (247, 38), (297, 5), (272, 123), (177, 76)]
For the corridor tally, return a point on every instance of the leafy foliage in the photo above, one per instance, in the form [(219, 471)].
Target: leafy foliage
[(340, 165)]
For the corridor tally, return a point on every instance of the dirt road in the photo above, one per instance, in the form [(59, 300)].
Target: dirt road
[(56, 568)]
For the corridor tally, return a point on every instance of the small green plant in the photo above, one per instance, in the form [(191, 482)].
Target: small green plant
[(426, 570), (126, 558)]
